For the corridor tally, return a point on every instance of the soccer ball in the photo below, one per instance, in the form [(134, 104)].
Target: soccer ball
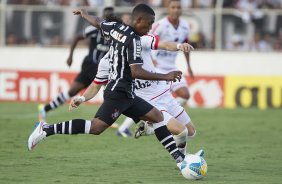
[(193, 167)]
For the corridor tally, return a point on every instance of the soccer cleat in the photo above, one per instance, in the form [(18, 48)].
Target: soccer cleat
[(125, 133), (41, 113), (140, 130), (200, 153), (114, 125), (36, 136)]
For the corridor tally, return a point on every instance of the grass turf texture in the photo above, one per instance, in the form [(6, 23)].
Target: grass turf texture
[(241, 146)]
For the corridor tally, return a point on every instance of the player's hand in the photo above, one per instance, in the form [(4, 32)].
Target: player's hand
[(69, 61), (80, 12), (174, 76), (75, 102), (185, 47)]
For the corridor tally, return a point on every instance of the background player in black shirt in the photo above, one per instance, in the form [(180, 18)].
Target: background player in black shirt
[(98, 47), (119, 97)]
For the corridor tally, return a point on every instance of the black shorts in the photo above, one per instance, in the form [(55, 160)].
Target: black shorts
[(87, 73), (117, 103)]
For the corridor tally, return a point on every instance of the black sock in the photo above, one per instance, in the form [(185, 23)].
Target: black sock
[(59, 100), (165, 137), (75, 126)]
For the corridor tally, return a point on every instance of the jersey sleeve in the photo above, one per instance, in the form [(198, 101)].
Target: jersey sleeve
[(150, 42), (134, 51), (90, 31), (103, 71), (156, 29), (106, 27)]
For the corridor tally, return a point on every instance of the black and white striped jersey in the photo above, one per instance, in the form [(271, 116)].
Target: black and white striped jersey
[(98, 46), (125, 50)]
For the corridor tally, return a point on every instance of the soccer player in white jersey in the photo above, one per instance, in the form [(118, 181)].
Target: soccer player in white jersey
[(155, 92), (172, 28)]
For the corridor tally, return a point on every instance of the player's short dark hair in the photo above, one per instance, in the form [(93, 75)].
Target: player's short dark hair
[(109, 8), (113, 18), (173, 1), (142, 9)]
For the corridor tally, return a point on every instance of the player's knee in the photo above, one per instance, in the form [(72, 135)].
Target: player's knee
[(186, 95), (98, 126), (191, 130), (183, 93), (157, 116)]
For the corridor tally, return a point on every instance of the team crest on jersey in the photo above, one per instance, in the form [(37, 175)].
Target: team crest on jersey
[(115, 114)]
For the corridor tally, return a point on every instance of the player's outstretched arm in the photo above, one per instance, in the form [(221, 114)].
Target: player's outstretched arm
[(93, 20), (73, 45), (138, 72), (89, 93), (173, 46)]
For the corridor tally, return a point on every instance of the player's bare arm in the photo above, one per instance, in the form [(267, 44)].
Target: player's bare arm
[(89, 93), (138, 72), (190, 71), (93, 20), (73, 45), (173, 46)]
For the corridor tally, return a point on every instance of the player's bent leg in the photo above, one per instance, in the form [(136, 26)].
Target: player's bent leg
[(59, 100), (154, 115), (180, 133), (174, 126), (98, 126), (43, 130), (76, 87), (191, 129), (182, 94)]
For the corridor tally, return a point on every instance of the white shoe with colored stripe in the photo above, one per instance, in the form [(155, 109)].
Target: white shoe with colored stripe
[(36, 136)]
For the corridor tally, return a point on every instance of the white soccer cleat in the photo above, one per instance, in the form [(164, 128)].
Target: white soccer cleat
[(36, 136), (140, 130), (41, 113)]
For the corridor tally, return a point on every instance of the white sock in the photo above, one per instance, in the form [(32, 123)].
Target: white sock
[(180, 140), (127, 123), (149, 129), (181, 101)]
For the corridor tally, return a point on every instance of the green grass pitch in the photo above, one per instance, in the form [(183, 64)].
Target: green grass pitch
[(242, 146)]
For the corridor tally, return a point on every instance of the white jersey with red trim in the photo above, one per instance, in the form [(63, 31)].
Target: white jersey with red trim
[(148, 89), (145, 89), (103, 71), (165, 60)]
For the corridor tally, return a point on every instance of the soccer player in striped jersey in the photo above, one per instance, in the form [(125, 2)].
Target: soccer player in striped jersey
[(98, 47), (119, 96), (155, 92)]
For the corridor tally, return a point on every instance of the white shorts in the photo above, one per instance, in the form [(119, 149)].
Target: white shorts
[(179, 84), (167, 103), (175, 85)]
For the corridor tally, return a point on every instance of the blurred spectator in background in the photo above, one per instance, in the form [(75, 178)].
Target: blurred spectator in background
[(259, 43), (229, 3), (198, 41), (193, 3), (126, 18), (203, 3), (277, 45), (237, 43), (95, 3), (249, 12)]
